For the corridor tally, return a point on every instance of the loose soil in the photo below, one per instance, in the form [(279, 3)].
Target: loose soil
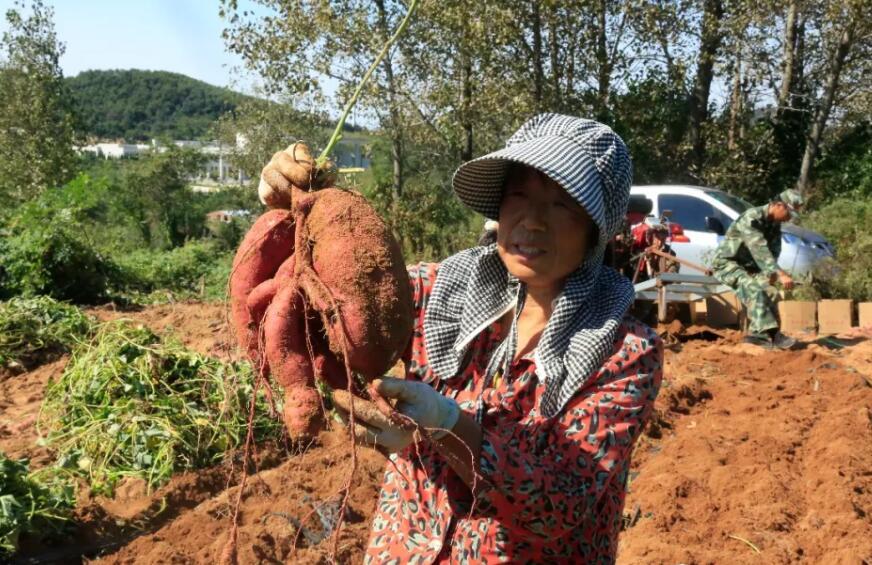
[(753, 457)]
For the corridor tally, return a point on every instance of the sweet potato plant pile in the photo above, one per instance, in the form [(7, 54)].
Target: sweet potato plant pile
[(30, 505), (131, 404), (319, 292)]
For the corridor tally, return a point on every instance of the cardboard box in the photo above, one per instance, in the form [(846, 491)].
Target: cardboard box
[(797, 316), (698, 312), (723, 310), (864, 311), (834, 316)]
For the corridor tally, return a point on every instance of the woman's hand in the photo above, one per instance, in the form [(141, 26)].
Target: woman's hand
[(371, 427), (293, 166), (433, 413), (454, 434)]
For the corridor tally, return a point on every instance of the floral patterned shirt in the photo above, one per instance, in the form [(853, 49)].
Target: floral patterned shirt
[(553, 488)]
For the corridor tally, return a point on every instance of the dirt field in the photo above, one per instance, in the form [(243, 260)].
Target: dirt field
[(752, 458)]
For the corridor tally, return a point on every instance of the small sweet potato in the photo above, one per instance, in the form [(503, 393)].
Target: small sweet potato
[(290, 362), (267, 245)]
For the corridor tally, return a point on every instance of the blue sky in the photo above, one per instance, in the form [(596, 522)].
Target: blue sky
[(182, 36)]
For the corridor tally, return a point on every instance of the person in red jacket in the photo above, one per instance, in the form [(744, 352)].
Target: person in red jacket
[(528, 381)]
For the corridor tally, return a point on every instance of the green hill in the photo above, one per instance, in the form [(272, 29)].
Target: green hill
[(139, 105)]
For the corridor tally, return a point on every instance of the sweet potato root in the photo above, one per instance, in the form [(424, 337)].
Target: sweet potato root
[(290, 362)]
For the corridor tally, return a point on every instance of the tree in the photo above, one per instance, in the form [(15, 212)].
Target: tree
[(849, 27), (302, 42), (154, 193), (37, 121), (711, 37)]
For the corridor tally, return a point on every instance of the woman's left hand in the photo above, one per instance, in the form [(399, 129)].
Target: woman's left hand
[(432, 412)]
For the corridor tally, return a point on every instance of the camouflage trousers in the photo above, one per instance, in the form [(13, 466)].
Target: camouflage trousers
[(755, 292)]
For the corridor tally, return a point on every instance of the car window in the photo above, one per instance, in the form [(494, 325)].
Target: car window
[(733, 202), (690, 211)]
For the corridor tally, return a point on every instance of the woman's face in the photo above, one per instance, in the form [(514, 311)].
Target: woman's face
[(544, 233)]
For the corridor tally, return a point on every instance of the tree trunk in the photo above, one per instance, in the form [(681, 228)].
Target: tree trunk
[(710, 42), (604, 67), (556, 102), (466, 149), (538, 73), (789, 64), (736, 99), (394, 113), (823, 112)]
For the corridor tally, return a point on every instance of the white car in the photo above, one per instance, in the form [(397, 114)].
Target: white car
[(706, 213)]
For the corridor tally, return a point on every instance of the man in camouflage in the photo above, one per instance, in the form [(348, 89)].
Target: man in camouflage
[(747, 261)]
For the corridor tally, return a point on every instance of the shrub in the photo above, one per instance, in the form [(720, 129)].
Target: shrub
[(51, 259), (845, 223), (191, 269)]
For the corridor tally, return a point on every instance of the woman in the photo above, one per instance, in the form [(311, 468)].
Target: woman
[(528, 379)]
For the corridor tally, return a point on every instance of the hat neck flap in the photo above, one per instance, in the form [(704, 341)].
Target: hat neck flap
[(473, 289)]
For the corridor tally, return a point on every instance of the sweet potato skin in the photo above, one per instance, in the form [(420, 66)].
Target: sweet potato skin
[(267, 245), (287, 353), (355, 256)]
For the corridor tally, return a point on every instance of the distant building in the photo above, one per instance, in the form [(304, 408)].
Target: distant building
[(116, 150), (226, 216), (217, 172)]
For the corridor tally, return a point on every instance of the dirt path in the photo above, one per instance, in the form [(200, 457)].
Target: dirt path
[(749, 452)]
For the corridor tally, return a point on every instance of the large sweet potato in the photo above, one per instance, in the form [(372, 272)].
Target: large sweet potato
[(355, 258), (343, 295)]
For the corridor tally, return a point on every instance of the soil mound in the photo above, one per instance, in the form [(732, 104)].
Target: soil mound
[(756, 456)]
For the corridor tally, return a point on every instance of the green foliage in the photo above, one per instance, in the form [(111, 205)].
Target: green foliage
[(156, 197), (845, 223), (748, 169), (37, 123), (265, 128), (130, 404), (428, 220), (35, 329), (110, 234), (30, 505), (199, 268), (846, 168), (651, 116), (53, 259), (139, 105)]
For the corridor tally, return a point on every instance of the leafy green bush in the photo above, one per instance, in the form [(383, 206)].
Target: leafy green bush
[(48, 246), (130, 404), (846, 167), (30, 506), (199, 268), (35, 329), (51, 259), (845, 222)]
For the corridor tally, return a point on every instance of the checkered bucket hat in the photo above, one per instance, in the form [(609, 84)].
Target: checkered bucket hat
[(585, 157)]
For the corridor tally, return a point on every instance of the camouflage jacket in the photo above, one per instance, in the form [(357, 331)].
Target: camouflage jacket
[(753, 242)]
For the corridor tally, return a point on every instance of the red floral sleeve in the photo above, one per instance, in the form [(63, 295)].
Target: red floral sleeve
[(547, 479)]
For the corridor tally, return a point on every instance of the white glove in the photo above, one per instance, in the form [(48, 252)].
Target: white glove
[(434, 413)]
